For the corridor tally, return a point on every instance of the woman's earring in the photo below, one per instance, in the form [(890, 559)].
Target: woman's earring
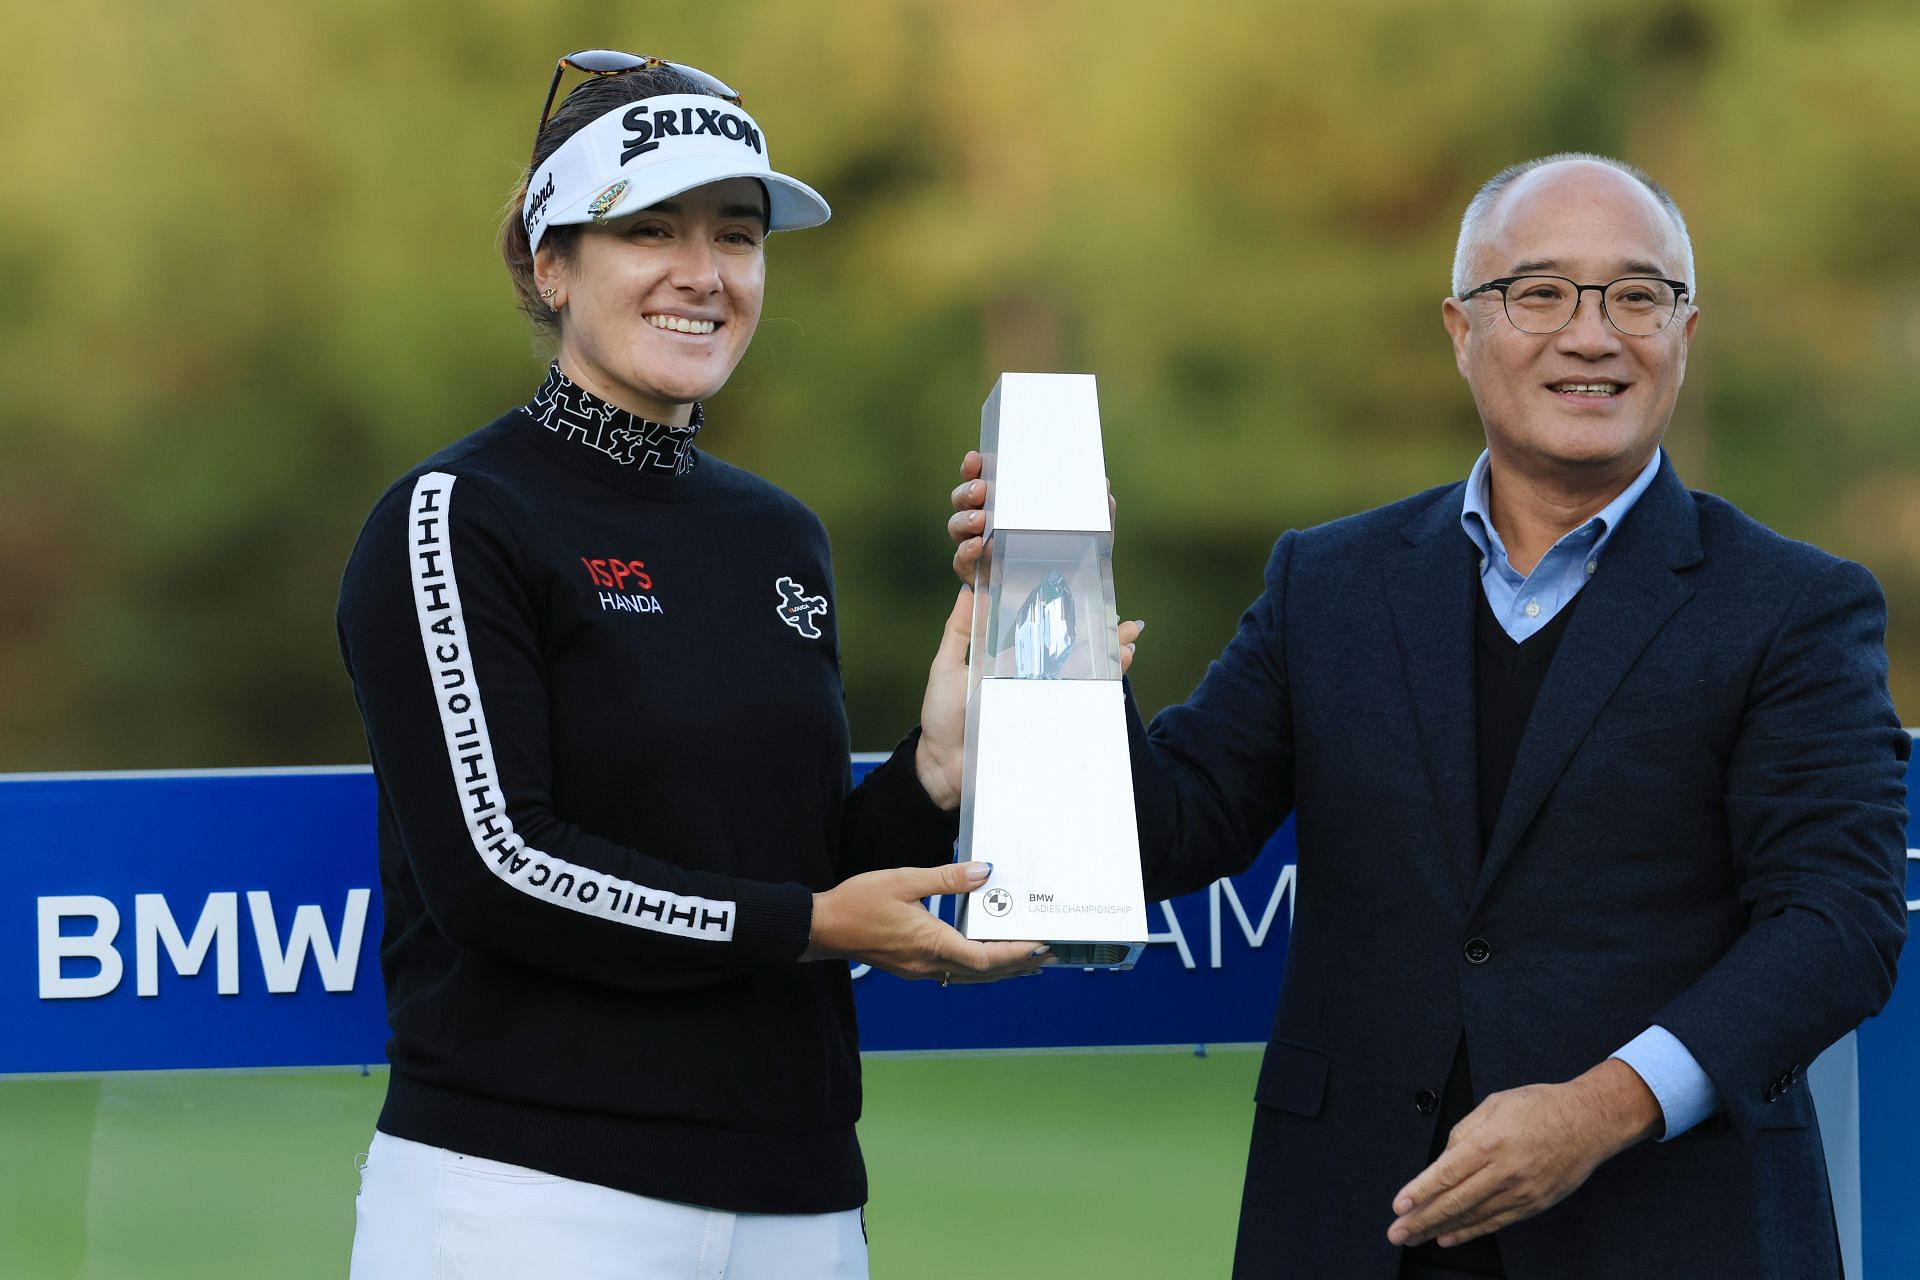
[(547, 296)]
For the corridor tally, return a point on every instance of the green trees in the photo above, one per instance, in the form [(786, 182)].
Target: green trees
[(251, 280)]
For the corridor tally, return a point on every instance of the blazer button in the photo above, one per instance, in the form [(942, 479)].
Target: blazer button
[(1477, 951), (1425, 1102)]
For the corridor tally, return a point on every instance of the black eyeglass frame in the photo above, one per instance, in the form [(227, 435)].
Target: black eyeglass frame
[(1681, 291), (613, 62)]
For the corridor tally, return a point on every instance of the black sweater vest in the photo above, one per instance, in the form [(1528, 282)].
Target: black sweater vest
[(1507, 676)]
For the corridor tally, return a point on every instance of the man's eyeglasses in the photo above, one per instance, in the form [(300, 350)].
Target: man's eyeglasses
[(612, 62), (1638, 306)]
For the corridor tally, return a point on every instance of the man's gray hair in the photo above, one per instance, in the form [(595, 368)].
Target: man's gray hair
[(1473, 222)]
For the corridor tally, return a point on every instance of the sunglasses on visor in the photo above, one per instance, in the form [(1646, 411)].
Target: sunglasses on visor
[(612, 62)]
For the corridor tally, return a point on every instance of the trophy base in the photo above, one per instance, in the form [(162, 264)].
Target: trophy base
[(1097, 955)]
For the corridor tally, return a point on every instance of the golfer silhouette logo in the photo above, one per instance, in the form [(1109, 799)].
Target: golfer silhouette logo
[(798, 609), (999, 902)]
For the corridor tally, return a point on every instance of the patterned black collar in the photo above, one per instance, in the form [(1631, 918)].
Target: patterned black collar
[(571, 412)]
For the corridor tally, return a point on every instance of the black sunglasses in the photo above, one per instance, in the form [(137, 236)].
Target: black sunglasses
[(612, 62)]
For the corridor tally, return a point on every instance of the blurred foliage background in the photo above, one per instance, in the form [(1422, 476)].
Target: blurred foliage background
[(250, 278)]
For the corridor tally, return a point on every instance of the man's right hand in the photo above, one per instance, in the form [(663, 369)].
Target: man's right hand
[(877, 918)]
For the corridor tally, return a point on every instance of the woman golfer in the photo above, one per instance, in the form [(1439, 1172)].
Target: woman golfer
[(599, 672)]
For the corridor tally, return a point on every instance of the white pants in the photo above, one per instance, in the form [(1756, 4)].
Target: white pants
[(426, 1213)]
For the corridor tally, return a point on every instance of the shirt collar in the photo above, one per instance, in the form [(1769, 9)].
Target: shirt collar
[(571, 412), (1476, 519)]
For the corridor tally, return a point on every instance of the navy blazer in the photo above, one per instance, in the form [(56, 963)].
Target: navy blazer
[(1705, 829)]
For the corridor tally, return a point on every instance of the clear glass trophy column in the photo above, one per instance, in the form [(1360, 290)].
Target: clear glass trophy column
[(1047, 795)]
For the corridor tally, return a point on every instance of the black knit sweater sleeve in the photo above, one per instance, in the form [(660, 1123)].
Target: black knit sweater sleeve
[(436, 606), (891, 822)]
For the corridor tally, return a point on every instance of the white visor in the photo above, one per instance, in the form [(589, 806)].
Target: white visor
[(641, 153)]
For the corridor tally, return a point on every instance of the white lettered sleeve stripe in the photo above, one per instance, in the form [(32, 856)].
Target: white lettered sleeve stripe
[(463, 721)]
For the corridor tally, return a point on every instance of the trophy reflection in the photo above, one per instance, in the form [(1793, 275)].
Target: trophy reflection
[(1043, 630), (1047, 795)]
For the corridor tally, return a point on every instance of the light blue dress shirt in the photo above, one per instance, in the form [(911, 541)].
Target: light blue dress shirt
[(1524, 603)]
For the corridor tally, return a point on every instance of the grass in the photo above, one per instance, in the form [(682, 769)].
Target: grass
[(1123, 1164)]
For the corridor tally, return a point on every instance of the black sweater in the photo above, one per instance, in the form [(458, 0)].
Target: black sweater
[(602, 694), (1508, 676)]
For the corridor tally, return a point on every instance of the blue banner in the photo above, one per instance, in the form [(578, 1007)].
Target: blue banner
[(190, 920), (232, 919), (1210, 975), (225, 919), (1889, 1048)]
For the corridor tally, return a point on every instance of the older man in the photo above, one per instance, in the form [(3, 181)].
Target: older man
[(1600, 806)]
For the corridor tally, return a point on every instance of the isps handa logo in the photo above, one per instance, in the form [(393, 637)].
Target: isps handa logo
[(629, 585)]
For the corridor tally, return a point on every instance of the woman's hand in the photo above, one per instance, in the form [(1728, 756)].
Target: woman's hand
[(943, 711), (968, 524), (878, 919)]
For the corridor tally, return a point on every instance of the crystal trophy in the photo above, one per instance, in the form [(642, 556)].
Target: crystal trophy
[(1047, 794)]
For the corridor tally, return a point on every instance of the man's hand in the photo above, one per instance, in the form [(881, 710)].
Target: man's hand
[(1522, 1151), (967, 527), (877, 919)]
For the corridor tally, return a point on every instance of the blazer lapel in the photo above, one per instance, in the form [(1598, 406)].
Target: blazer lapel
[(1430, 590), (1619, 612)]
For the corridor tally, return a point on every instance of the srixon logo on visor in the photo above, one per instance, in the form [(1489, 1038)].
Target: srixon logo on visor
[(648, 126)]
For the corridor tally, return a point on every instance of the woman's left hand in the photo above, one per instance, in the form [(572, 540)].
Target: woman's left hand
[(943, 712)]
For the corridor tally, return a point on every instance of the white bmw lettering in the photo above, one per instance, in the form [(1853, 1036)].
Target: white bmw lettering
[(95, 946), (336, 965), (216, 932)]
